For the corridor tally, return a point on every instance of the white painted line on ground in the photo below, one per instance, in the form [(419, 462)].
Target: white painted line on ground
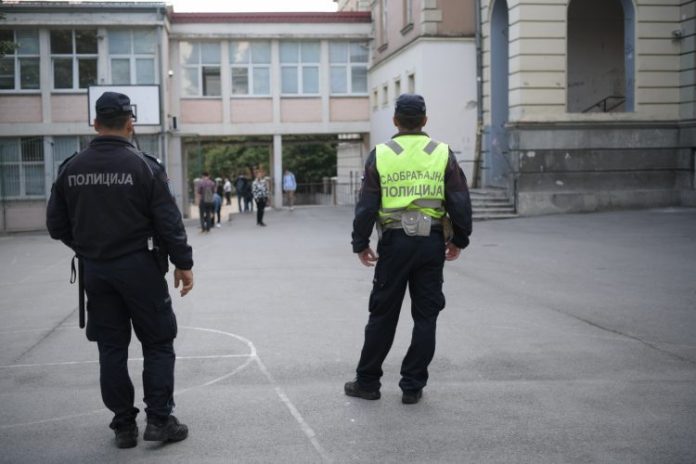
[(73, 363), (251, 357)]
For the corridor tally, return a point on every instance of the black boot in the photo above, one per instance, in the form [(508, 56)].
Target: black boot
[(354, 389), (169, 429), (126, 436)]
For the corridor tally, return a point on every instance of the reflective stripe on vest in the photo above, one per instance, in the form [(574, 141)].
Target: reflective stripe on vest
[(412, 176)]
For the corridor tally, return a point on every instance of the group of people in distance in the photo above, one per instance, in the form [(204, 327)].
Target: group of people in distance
[(211, 193)]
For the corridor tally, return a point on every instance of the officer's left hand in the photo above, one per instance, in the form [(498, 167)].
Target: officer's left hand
[(452, 251), (368, 257), (185, 278)]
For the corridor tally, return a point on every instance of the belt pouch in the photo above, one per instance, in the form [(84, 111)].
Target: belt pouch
[(416, 223)]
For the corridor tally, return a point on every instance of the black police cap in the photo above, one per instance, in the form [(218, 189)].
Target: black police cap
[(410, 104), (113, 104)]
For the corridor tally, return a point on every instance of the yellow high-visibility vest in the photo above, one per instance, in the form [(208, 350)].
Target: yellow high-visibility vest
[(412, 176)]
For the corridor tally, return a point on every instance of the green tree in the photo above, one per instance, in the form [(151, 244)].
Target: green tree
[(310, 162), (6, 46)]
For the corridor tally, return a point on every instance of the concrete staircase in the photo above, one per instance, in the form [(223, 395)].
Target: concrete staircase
[(491, 204)]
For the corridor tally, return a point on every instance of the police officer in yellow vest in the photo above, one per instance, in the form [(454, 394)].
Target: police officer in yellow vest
[(415, 191)]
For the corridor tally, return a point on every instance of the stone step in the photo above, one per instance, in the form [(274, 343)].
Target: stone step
[(487, 217), (487, 202), (496, 209)]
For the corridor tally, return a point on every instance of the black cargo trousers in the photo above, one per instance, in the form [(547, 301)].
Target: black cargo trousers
[(403, 260), (121, 291)]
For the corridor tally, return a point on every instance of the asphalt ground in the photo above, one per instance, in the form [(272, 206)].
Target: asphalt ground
[(566, 339)]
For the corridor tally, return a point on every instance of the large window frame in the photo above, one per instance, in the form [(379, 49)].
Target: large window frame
[(22, 168), (300, 62), (250, 67), (200, 62), (23, 63), (141, 49), (348, 62), (82, 59)]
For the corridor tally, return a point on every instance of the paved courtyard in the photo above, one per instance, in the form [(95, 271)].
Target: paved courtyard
[(566, 339)]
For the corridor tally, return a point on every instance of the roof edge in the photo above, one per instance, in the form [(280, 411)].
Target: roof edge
[(260, 17)]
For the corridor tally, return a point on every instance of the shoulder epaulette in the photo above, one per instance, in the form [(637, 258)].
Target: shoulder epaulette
[(152, 157)]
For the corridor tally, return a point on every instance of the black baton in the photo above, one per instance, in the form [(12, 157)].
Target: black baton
[(81, 290), (79, 276)]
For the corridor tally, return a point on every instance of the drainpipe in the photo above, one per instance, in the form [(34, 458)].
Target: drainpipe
[(479, 98)]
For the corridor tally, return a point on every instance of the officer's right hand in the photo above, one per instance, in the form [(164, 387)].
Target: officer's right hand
[(367, 257), (185, 277)]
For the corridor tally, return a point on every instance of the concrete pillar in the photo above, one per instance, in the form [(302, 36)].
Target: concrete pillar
[(277, 171), (177, 173)]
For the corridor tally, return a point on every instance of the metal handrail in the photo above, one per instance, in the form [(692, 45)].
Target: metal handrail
[(603, 104)]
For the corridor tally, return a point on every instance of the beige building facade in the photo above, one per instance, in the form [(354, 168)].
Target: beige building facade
[(589, 104)]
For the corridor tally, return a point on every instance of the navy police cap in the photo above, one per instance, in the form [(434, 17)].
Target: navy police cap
[(112, 104), (410, 104)]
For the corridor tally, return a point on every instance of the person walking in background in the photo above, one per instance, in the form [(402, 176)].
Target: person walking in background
[(240, 185), (261, 191), (289, 187), (248, 197), (217, 207), (227, 188), (415, 190), (206, 190)]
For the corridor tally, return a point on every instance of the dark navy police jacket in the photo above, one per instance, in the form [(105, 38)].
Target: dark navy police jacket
[(110, 198)]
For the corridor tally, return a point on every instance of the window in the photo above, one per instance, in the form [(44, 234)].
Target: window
[(600, 57), (63, 147), (19, 69), (348, 67), (397, 88), (74, 58), (149, 143), (375, 100), (251, 73), (299, 67), (22, 167), (411, 83), (408, 12), (132, 56), (385, 94), (383, 22), (201, 68)]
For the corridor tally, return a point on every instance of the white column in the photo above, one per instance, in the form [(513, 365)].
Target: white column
[(225, 83), (325, 83), (46, 73), (275, 80), (277, 171)]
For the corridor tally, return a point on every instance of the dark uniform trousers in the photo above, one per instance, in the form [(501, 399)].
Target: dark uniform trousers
[(121, 291), (418, 262)]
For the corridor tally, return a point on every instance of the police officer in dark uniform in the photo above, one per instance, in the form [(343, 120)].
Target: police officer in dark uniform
[(111, 204), (415, 190)]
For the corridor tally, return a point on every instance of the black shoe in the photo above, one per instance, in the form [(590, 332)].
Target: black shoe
[(167, 430), (353, 389), (412, 397), (127, 436)]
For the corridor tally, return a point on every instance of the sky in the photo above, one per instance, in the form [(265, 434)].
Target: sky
[(249, 5)]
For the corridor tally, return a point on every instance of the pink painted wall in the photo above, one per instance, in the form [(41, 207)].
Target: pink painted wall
[(25, 215), (458, 17), (250, 110), (201, 111), (20, 108), (69, 108), (350, 109), (300, 110)]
